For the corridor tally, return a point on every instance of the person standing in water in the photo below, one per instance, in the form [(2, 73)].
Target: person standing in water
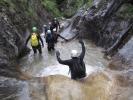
[(56, 24), (50, 40), (35, 39), (76, 63), (45, 28)]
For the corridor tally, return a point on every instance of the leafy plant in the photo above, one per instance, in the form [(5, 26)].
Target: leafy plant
[(52, 7)]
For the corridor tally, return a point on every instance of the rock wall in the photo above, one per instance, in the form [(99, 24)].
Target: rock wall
[(109, 23), (123, 60), (103, 23), (16, 17)]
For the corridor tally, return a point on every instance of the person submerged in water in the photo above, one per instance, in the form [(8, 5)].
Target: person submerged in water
[(76, 64)]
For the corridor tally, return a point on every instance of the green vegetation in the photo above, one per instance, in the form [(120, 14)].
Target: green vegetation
[(73, 7), (57, 8), (69, 6), (126, 11), (51, 6), (89, 2)]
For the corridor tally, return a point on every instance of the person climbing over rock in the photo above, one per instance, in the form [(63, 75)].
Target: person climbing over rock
[(56, 24), (76, 64), (50, 40), (35, 39)]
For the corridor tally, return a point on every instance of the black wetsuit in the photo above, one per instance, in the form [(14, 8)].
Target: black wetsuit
[(55, 36), (76, 65), (45, 29), (50, 41), (55, 24), (38, 47)]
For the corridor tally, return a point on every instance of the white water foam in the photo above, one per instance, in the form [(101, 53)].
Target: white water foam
[(63, 70)]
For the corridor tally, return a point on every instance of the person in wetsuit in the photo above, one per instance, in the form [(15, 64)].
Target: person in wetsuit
[(76, 64), (35, 39), (50, 40), (45, 28), (56, 24)]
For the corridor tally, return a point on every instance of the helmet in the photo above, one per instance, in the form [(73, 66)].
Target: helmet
[(34, 29), (44, 25), (48, 32), (49, 23), (55, 18), (54, 30), (74, 53)]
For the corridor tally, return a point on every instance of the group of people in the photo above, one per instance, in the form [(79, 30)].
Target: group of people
[(76, 63), (51, 36)]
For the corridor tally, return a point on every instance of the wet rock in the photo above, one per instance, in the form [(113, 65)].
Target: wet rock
[(123, 60), (102, 23), (11, 89), (123, 85), (16, 17)]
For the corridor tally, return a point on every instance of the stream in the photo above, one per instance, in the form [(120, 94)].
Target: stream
[(42, 67), (48, 80), (41, 77)]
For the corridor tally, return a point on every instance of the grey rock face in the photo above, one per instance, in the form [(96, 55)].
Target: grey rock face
[(15, 20), (102, 24), (12, 89), (10, 41)]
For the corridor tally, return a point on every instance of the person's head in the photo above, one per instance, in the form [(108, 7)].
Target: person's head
[(34, 29), (49, 23), (44, 25), (48, 32), (74, 53), (55, 19)]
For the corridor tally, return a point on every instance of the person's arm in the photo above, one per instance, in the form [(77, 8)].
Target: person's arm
[(83, 49), (27, 40), (62, 37), (45, 31), (41, 40), (65, 62), (58, 24)]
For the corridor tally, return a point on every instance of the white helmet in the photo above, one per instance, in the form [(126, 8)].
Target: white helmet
[(44, 25), (49, 23), (48, 32), (55, 18), (74, 53)]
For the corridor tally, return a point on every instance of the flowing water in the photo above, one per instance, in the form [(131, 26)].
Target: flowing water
[(46, 79), (47, 64), (51, 80)]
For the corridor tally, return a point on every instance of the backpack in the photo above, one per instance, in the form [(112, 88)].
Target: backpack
[(48, 37), (34, 40)]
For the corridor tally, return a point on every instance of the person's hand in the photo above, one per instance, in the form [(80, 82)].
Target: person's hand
[(80, 41), (57, 53)]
